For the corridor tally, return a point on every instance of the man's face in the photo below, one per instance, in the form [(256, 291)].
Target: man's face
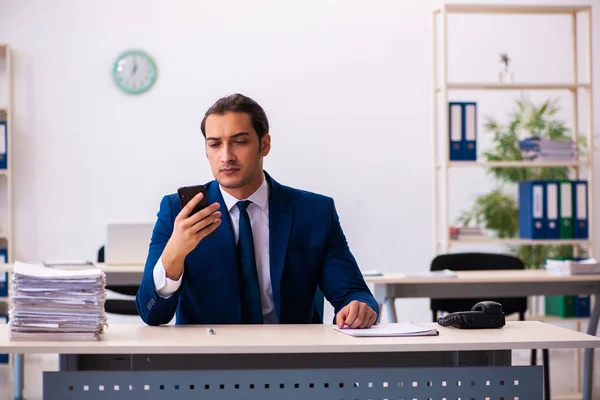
[(234, 151)]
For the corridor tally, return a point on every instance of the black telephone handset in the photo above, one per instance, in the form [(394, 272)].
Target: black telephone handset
[(483, 315)]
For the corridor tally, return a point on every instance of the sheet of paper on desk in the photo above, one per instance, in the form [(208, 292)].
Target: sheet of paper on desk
[(445, 273), (390, 330)]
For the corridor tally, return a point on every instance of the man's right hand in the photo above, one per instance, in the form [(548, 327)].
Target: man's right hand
[(188, 231)]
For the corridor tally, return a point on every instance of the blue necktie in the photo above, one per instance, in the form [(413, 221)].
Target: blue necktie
[(249, 287)]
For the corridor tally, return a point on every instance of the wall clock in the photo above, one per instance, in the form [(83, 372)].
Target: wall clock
[(134, 71)]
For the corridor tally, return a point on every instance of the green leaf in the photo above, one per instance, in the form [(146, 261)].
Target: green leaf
[(498, 211)]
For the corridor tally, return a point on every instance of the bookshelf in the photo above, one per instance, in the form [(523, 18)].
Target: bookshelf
[(442, 240), (6, 215)]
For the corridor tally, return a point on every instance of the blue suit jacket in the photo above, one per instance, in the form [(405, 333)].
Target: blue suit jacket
[(308, 254)]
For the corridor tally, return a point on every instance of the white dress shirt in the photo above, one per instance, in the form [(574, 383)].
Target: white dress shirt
[(259, 219)]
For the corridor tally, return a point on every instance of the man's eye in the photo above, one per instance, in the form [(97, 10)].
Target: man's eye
[(240, 141), (213, 145)]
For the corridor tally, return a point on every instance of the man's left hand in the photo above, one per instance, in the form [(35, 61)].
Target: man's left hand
[(356, 315)]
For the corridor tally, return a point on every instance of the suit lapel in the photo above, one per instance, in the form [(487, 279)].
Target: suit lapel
[(280, 223)]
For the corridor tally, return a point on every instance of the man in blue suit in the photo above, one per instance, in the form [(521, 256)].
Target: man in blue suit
[(260, 252)]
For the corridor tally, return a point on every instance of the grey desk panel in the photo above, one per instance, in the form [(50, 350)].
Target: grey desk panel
[(123, 278), (165, 362), (300, 384)]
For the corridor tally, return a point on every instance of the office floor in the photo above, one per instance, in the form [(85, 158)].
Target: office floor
[(562, 371)]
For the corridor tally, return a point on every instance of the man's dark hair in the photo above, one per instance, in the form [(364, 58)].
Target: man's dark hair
[(240, 103)]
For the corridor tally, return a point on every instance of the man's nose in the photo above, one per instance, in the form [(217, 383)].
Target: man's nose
[(227, 154)]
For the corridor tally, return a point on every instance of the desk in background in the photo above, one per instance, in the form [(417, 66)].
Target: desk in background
[(296, 362), (498, 283)]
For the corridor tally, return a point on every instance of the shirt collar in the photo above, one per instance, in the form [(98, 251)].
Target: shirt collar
[(260, 197)]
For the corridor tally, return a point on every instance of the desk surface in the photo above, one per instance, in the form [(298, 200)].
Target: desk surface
[(238, 339), (482, 276), (479, 277), (123, 269)]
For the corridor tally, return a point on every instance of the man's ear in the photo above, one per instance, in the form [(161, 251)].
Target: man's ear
[(265, 145)]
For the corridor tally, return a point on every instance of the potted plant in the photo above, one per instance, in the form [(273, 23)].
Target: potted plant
[(498, 211)]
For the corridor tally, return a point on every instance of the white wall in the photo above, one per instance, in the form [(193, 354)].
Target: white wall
[(346, 84)]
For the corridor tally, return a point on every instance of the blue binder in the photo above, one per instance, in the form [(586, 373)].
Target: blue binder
[(582, 306), (532, 213), (3, 145), (3, 357), (580, 210), (552, 212), (456, 130), (470, 131), (3, 276)]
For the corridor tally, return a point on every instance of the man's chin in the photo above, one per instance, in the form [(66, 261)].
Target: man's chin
[(230, 182)]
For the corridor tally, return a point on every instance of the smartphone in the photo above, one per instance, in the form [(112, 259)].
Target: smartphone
[(186, 193)]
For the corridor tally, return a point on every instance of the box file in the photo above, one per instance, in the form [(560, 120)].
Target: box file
[(560, 306), (532, 210), (470, 132), (3, 145), (455, 128), (3, 357), (582, 306), (552, 211), (565, 205), (3, 276), (580, 210)]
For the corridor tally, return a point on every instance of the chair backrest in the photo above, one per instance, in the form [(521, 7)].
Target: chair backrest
[(477, 261)]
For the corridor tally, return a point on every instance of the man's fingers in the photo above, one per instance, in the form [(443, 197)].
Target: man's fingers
[(361, 316), (210, 228), (341, 317), (187, 209), (206, 222), (372, 319), (369, 319), (205, 212), (352, 314)]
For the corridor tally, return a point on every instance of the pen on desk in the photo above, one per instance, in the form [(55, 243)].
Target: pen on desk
[(210, 331)]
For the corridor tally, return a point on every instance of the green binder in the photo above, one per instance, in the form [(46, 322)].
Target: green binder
[(565, 207), (560, 306)]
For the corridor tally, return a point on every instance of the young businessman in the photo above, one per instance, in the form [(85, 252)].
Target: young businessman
[(259, 251)]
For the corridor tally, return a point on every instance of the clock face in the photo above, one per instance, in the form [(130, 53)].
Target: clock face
[(134, 72)]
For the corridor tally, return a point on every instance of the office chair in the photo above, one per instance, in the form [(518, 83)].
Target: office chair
[(119, 306), (510, 305)]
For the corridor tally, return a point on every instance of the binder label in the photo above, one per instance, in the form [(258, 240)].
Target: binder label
[(552, 200), (470, 122), (581, 201), (456, 129), (566, 200), (538, 193), (2, 138)]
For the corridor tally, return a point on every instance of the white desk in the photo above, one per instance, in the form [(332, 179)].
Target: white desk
[(468, 284), (507, 283), (296, 362)]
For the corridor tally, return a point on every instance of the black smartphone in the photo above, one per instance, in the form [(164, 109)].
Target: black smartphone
[(186, 193)]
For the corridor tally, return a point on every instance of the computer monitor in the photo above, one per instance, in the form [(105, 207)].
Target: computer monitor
[(127, 243)]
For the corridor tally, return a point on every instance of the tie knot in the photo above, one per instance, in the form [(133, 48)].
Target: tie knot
[(243, 205)]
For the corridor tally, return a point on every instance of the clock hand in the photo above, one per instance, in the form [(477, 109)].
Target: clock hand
[(134, 66)]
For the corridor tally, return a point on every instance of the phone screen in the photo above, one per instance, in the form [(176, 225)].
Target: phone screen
[(186, 193)]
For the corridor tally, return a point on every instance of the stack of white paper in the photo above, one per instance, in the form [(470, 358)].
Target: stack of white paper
[(570, 267), (56, 304)]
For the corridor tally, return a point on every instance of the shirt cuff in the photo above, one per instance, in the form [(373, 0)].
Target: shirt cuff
[(164, 286)]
